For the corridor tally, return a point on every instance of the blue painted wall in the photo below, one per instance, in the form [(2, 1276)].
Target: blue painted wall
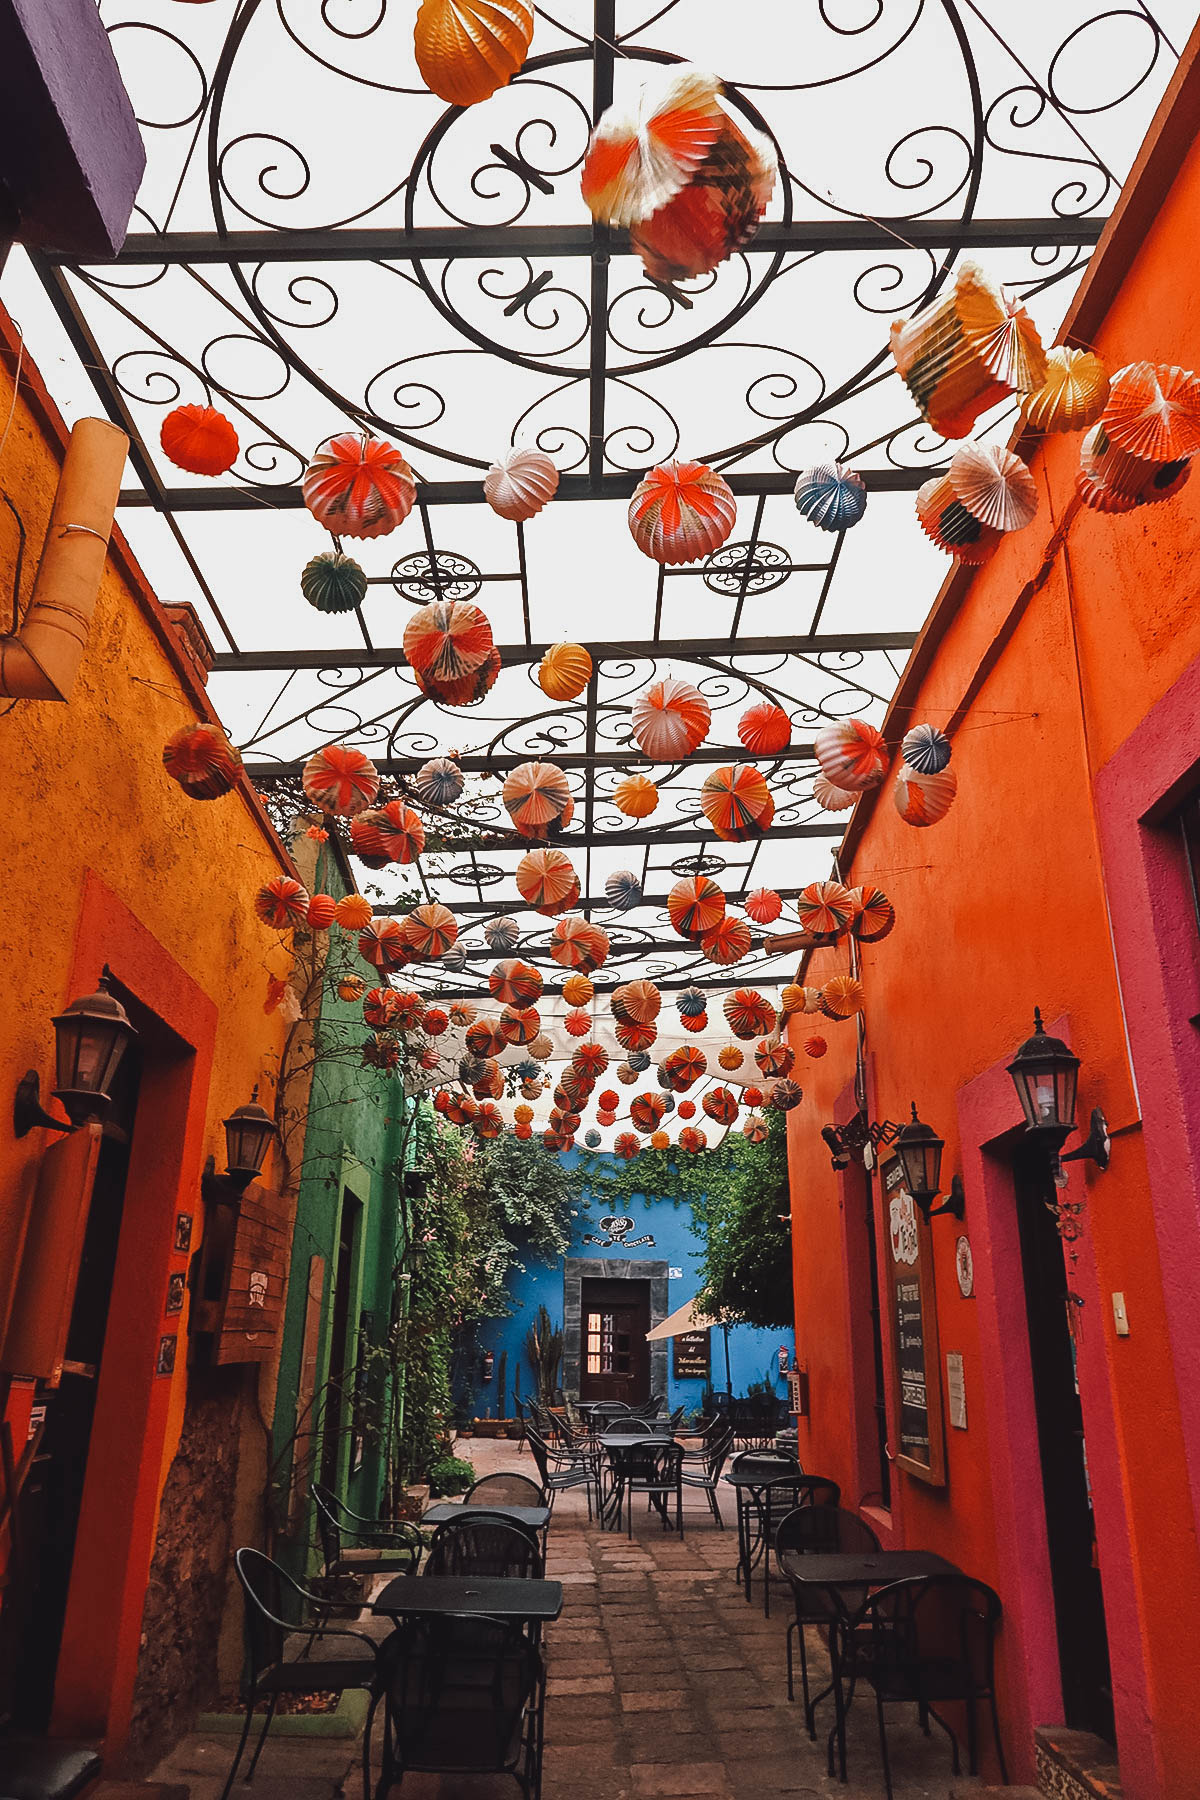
[(753, 1353)]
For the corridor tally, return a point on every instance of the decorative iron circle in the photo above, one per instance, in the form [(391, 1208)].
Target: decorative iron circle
[(749, 568), (475, 875), (699, 865), (451, 577)]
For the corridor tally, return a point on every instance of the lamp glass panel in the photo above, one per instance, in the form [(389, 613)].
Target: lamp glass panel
[(922, 1165), (247, 1142), (87, 1053)]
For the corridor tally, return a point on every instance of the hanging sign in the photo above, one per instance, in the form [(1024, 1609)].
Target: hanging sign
[(692, 1356), (921, 1449)]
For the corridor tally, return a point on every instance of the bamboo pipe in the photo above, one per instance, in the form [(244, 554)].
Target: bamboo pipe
[(42, 660)]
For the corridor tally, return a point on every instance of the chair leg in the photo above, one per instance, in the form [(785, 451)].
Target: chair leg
[(241, 1749), (996, 1739), (716, 1506), (810, 1711), (366, 1755), (883, 1748), (262, 1737), (791, 1685)]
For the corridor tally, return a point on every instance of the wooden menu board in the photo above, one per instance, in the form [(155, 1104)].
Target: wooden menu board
[(693, 1356), (916, 1357)]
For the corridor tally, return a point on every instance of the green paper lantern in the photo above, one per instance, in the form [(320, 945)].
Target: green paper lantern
[(333, 583)]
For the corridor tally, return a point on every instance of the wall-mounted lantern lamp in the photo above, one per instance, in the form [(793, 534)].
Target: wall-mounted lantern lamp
[(248, 1134), (89, 1042), (920, 1151), (1045, 1074), (839, 1152)]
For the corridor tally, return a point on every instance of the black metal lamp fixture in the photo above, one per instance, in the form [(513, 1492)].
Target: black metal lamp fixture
[(1045, 1073), (248, 1134), (89, 1041), (920, 1151)]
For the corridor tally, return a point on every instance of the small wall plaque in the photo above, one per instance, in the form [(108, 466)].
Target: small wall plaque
[(175, 1288), (165, 1364), (183, 1232), (964, 1267), (956, 1390)]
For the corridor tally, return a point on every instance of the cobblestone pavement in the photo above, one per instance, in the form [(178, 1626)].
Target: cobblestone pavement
[(662, 1683)]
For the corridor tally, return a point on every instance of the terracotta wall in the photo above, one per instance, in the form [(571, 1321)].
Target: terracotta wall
[(107, 859), (1070, 636)]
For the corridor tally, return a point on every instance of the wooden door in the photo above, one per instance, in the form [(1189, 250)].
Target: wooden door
[(614, 1361)]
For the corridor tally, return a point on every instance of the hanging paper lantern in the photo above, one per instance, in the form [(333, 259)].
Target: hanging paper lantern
[(462, 1109), (636, 797), (484, 1038), (670, 720), (523, 1132), (488, 1122), (202, 760), (608, 1100), (626, 1146), (351, 987), (381, 943), (640, 1000), (462, 1013), (812, 1000), (728, 941), (199, 439), (281, 902), (541, 1047), (945, 520), (736, 801), (924, 799), (791, 999), (578, 990), (926, 749), (523, 1115), (408, 1009), (774, 1058), (645, 1112), (592, 1139), (873, 915), (964, 352), (359, 486), (353, 911), (1073, 395), (447, 639), (434, 1022), (467, 49), (680, 512), (842, 997), (748, 1014), (591, 1060), (381, 1009), (340, 780), (692, 1140), (633, 1035), (333, 582), (564, 671), (695, 905), (1153, 412), (685, 1066), (765, 729), (815, 1047), (830, 496), (659, 1140), (429, 929), (731, 1057), (642, 153), (833, 799), (824, 908), (784, 1095), (763, 905), (577, 1023), (536, 797), (755, 1129), (623, 890), (994, 485), (852, 754), (717, 213), (441, 1100), (439, 782), (381, 1052), (546, 878), (691, 1002), (639, 1061), (687, 1109), (576, 943), (515, 981), (520, 1024), (387, 834), (531, 1090), (464, 690), (491, 1084), (753, 1096), (454, 957), (501, 934), (720, 1104), (518, 485), (695, 1022), (1112, 481)]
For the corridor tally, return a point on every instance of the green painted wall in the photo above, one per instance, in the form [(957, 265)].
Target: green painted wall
[(353, 1139)]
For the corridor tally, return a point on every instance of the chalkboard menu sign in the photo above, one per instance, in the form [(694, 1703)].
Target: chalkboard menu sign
[(693, 1357), (921, 1447)]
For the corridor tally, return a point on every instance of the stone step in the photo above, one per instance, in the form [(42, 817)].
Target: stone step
[(1074, 1765)]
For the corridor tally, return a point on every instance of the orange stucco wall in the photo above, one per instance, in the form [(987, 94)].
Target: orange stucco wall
[(108, 858), (1000, 907)]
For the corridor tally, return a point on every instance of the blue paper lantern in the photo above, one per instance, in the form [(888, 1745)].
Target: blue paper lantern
[(831, 497), (592, 1139), (439, 782), (639, 1061), (926, 749), (624, 890), (692, 1002)]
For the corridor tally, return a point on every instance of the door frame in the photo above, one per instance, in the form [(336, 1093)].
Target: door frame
[(577, 1270)]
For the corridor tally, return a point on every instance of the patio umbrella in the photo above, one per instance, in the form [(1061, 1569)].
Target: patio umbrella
[(688, 1318)]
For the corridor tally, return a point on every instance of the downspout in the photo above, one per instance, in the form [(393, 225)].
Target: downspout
[(41, 660)]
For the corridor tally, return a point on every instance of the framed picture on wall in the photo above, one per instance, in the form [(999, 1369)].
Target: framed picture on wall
[(916, 1358)]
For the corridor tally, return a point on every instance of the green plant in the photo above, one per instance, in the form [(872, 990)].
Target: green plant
[(544, 1348), (450, 1475)]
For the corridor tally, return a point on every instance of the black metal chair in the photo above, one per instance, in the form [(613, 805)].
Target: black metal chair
[(783, 1497), (655, 1470), (483, 1543), (762, 1504), (809, 1530), (626, 1426), (378, 1546), (922, 1643), (706, 1473), (504, 1489), (563, 1476), (298, 1655), (462, 1697)]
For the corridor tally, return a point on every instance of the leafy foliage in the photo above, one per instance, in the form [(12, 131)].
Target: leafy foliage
[(746, 1268), (450, 1475)]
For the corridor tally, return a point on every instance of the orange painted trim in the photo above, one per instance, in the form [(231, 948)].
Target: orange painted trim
[(40, 403), (97, 1665)]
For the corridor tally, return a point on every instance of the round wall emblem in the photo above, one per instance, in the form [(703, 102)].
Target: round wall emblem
[(964, 1264)]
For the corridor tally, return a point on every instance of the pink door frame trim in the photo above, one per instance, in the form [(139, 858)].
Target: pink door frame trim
[(1028, 1646)]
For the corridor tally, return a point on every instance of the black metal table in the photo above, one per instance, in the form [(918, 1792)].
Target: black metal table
[(749, 1486), (848, 1577), (612, 1443), (484, 1596)]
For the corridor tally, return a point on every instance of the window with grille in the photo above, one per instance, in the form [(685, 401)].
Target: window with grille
[(607, 1345)]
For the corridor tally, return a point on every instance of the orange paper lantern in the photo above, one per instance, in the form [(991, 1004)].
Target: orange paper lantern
[(564, 671), (765, 729), (636, 797), (199, 439), (353, 911), (359, 486), (341, 780), (282, 902), (466, 49), (202, 760)]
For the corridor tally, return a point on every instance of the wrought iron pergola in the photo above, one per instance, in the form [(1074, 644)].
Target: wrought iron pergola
[(321, 244)]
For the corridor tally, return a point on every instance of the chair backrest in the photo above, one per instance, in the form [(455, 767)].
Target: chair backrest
[(328, 1528), (769, 1465), (626, 1427), (940, 1629), (676, 1419), (659, 1465), (336, 1521), (504, 1489), (484, 1544), (822, 1529), (457, 1693), (655, 1403), (541, 1455), (611, 1409), (274, 1605), (716, 1450)]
